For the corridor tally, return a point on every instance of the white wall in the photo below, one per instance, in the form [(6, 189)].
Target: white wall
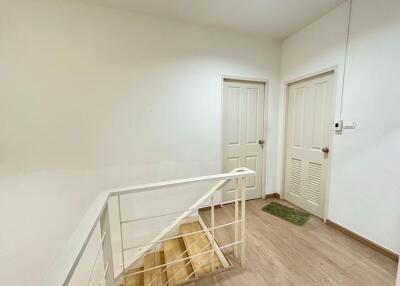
[(92, 98), (364, 191)]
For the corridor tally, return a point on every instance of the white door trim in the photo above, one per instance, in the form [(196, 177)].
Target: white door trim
[(334, 71), (264, 151)]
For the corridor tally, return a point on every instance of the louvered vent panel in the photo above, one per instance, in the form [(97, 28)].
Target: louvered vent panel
[(295, 177), (314, 183)]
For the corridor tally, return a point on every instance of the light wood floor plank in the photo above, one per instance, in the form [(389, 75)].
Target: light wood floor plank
[(280, 253)]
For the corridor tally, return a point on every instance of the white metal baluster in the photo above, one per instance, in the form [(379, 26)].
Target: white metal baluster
[(122, 240), (107, 249), (184, 259), (242, 186), (96, 259), (204, 233), (212, 232), (182, 235), (183, 267), (236, 226), (104, 279), (195, 269), (178, 257)]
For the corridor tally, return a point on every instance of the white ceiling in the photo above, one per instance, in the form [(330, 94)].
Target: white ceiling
[(274, 18)]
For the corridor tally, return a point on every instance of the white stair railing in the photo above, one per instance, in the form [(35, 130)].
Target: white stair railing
[(98, 216)]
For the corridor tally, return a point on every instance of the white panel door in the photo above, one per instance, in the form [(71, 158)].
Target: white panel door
[(243, 128), (307, 147)]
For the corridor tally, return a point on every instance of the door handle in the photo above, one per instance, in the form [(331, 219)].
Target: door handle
[(325, 150), (261, 142)]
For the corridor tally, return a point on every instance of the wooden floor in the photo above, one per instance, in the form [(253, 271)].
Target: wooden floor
[(280, 253)]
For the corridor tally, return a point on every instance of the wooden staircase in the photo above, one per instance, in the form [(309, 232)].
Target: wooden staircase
[(180, 253), (180, 261)]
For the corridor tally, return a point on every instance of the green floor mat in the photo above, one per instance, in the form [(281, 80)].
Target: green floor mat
[(290, 214)]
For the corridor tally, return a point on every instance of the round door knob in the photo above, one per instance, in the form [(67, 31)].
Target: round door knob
[(261, 142), (325, 150)]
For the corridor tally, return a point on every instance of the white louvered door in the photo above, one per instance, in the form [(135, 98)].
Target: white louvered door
[(243, 127), (308, 127)]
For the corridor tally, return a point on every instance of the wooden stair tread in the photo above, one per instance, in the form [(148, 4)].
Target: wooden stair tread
[(174, 249), (157, 277), (135, 280), (197, 243)]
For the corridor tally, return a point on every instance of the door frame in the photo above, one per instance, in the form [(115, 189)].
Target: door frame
[(334, 71), (265, 82)]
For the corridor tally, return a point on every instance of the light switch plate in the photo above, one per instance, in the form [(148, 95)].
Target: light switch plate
[(338, 125)]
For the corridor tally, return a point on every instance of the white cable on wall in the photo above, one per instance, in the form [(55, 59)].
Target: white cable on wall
[(345, 58)]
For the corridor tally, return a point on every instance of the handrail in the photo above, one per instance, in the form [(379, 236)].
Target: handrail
[(66, 263), (237, 172), (224, 178), (175, 212)]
